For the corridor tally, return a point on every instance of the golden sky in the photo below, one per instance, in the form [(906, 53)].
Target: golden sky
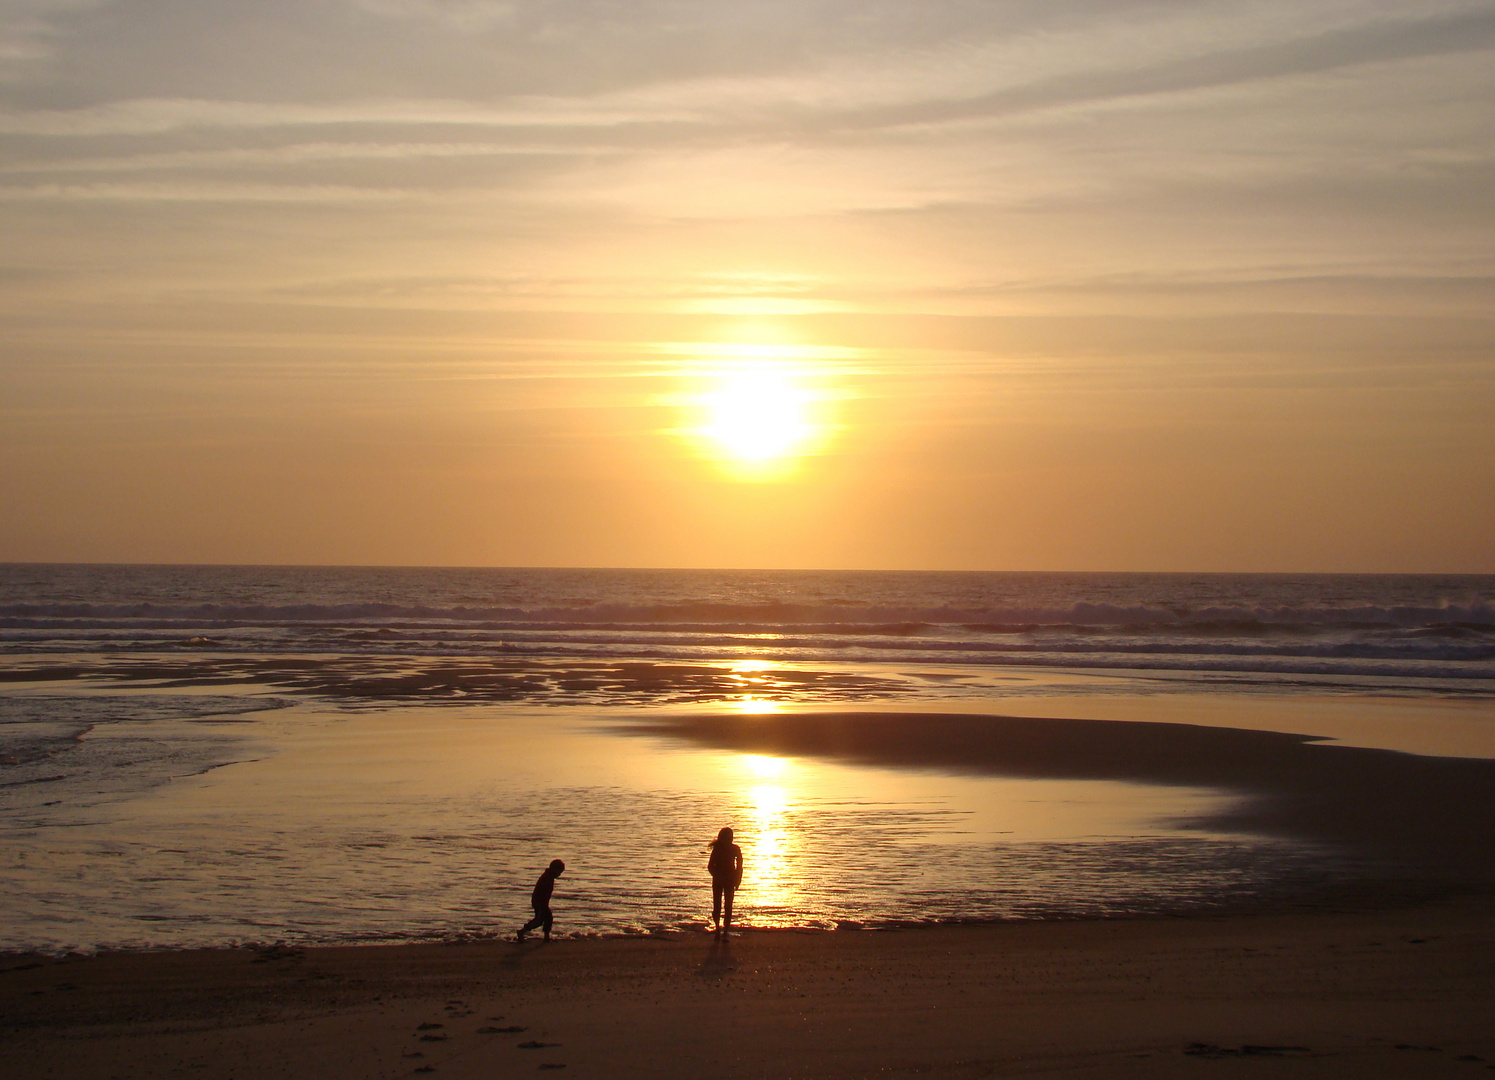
[(950, 284)]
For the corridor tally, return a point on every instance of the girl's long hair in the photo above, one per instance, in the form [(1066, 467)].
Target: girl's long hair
[(723, 837)]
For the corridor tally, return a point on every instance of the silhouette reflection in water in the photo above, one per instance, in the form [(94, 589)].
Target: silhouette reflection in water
[(540, 901), (725, 866)]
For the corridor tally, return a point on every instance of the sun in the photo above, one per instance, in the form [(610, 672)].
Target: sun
[(758, 414), (756, 410)]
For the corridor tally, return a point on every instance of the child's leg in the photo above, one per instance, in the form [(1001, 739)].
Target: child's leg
[(535, 923), (727, 923), (716, 902), (549, 921)]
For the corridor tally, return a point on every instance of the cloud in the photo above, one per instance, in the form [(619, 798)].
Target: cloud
[(294, 154), (29, 32), (889, 94), (464, 15), (158, 116), (1380, 42), (205, 192), (940, 152)]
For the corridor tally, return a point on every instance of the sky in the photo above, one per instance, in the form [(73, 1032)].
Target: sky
[(955, 284)]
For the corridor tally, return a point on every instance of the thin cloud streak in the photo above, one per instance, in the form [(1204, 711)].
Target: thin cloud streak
[(200, 192), (1320, 54), (295, 154), (160, 116)]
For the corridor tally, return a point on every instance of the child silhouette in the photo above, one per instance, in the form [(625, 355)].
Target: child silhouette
[(540, 901)]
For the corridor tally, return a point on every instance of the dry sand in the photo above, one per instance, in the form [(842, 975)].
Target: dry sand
[(1404, 992)]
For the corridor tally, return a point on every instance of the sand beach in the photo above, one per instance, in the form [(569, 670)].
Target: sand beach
[(983, 836), (1388, 976), (1404, 991)]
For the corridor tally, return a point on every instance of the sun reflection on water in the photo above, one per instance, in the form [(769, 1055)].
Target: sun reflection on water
[(748, 672), (765, 767), (754, 705), (773, 843)]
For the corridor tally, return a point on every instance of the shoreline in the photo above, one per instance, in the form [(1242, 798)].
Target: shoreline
[(1364, 895)]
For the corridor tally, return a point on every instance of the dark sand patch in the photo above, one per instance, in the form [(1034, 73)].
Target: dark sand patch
[(1429, 812)]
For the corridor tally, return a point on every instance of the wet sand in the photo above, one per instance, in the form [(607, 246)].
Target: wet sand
[(1403, 992)]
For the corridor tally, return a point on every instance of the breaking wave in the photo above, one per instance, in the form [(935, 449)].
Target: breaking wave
[(1440, 628), (745, 618)]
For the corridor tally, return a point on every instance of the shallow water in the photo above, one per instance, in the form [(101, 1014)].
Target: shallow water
[(427, 822)]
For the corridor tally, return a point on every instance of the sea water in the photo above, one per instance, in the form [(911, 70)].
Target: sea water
[(218, 755)]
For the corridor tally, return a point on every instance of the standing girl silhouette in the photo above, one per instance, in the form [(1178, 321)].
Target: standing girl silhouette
[(725, 866)]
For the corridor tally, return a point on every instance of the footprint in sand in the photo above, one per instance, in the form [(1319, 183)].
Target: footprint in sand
[(1210, 1050)]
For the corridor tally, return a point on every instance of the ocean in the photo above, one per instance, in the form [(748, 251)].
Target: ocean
[(198, 755)]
